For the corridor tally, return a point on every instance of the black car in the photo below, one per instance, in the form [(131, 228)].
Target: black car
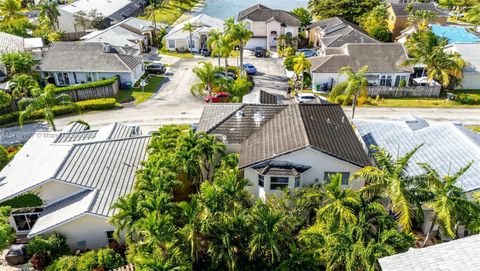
[(205, 52), (259, 52), (156, 68)]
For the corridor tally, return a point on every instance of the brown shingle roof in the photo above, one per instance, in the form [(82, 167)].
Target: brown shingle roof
[(379, 57), (262, 13), (400, 9)]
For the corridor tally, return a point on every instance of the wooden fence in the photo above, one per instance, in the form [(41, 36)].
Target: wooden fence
[(416, 91), (109, 91)]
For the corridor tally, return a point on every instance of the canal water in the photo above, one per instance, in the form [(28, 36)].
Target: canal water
[(224, 9)]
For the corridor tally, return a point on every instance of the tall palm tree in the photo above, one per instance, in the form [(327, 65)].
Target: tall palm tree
[(473, 15), (338, 203), (426, 48), (150, 14), (356, 83), (421, 18), (207, 75), (43, 99), (389, 179), (301, 64), (11, 9), (239, 34), (229, 24), (225, 48), (270, 234), (22, 85), (49, 10), (126, 215), (188, 27), (448, 202), (213, 42)]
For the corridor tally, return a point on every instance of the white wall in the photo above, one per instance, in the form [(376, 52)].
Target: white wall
[(89, 228), (66, 22), (470, 81), (54, 191), (256, 42)]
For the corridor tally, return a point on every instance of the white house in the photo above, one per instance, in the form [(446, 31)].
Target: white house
[(179, 39), (70, 63), (268, 25), (470, 53), (287, 146), (112, 12), (78, 174), (385, 63)]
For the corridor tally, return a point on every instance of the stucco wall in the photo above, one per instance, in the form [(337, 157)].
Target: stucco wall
[(54, 191), (470, 81), (66, 22)]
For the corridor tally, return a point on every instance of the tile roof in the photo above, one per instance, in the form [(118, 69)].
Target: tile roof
[(447, 146), (10, 43), (379, 57), (108, 166), (460, 254), (260, 97), (140, 24), (400, 8), (115, 35), (105, 7), (215, 114), (285, 128), (80, 56), (262, 13), (202, 23), (337, 32)]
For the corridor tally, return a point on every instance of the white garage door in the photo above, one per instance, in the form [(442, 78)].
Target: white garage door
[(256, 42)]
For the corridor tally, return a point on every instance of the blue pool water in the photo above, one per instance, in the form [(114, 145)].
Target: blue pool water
[(224, 9), (454, 34)]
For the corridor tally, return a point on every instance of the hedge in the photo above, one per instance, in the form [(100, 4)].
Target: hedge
[(96, 84), (24, 201), (97, 104)]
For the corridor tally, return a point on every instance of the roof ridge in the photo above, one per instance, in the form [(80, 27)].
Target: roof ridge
[(225, 118), (109, 140)]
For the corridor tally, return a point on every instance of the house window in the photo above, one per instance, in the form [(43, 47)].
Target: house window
[(385, 80), (297, 181), (191, 44), (399, 78), (345, 177), (25, 221), (63, 78), (278, 183), (261, 180), (110, 238), (171, 44), (88, 77)]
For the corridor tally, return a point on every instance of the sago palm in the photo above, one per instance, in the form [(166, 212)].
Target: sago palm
[(44, 100)]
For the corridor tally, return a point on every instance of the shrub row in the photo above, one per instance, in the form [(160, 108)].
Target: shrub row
[(24, 201), (101, 83), (97, 104)]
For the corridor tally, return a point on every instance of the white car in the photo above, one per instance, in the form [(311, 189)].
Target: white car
[(306, 98)]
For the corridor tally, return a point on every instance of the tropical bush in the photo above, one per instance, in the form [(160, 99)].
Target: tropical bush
[(4, 157), (5, 100), (7, 233), (103, 259), (96, 84), (18, 62), (27, 200), (45, 250), (288, 62)]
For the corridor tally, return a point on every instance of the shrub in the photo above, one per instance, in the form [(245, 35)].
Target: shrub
[(54, 246), (98, 104), (96, 84), (344, 99), (7, 233), (88, 261), (289, 63), (3, 157), (65, 263), (5, 100), (467, 99), (290, 51), (109, 259), (337, 90), (234, 69), (24, 201), (40, 261)]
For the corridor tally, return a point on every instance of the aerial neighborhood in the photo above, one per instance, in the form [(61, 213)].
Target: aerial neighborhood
[(239, 135)]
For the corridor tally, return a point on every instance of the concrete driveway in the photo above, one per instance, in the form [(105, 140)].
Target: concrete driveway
[(270, 75)]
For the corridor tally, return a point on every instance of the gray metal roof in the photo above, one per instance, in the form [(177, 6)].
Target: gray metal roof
[(108, 166), (80, 56), (447, 147), (461, 254), (75, 127), (76, 136)]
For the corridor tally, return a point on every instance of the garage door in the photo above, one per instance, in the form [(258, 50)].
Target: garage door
[(256, 42)]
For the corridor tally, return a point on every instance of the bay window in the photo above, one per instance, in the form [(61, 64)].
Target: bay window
[(278, 183)]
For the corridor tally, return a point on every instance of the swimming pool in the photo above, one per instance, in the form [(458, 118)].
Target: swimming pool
[(454, 34)]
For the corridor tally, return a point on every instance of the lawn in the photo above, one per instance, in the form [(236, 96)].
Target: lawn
[(172, 11), (175, 54), (137, 95)]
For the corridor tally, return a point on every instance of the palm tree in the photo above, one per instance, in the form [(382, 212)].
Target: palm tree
[(150, 14), (356, 83), (210, 147), (229, 24), (126, 215), (301, 64), (213, 42), (225, 48), (270, 234), (426, 48), (11, 9), (207, 75), (49, 10), (188, 27), (421, 18), (338, 203), (22, 85), (191, 230), (239, 34), (448, 202), (389, 179), (43, 99), (473, 15)]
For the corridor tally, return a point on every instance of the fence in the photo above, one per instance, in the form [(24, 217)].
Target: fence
[(416, 91), (108, 91), (73, 36)]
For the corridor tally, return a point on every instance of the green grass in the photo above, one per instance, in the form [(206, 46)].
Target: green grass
[(171, 12), (137, 95), (175, 54), (475, 128)]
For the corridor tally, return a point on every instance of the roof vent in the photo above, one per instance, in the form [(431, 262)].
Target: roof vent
[(258, 117), (239, 114)]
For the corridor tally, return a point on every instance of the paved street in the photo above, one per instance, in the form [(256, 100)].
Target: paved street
[(173, 103)]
